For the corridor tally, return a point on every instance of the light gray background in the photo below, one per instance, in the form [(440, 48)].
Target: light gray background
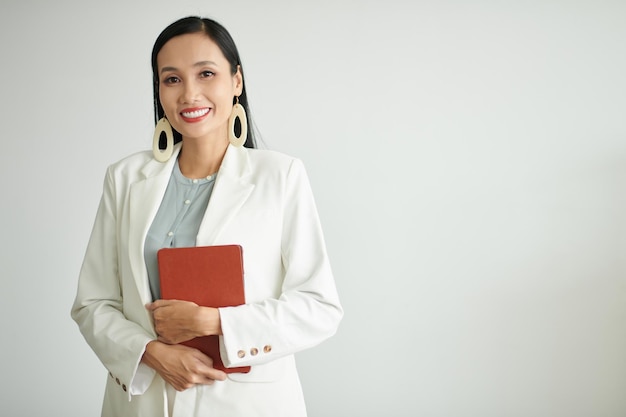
[(469, 164)]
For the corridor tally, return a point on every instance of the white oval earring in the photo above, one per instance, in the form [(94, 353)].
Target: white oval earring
[(163, 126), (237, 112)]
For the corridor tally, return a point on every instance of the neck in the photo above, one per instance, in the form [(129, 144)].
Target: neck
[(199, 159)]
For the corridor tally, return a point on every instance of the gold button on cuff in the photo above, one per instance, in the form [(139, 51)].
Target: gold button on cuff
[(267, 348), (254, 351), (241, 353)]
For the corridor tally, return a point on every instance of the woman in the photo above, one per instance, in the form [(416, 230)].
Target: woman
[(260, 200)]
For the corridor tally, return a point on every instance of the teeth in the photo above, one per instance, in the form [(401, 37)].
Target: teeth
[(195, 114)]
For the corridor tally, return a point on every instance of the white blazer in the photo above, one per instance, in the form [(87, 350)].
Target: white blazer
[(262, 201)]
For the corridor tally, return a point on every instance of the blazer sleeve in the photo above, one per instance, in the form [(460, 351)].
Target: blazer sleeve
[(98, 308), (308, 310)]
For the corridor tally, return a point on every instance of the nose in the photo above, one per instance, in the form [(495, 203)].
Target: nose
[(190, 92)]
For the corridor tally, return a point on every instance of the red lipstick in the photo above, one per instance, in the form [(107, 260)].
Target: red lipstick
[(194, 115)]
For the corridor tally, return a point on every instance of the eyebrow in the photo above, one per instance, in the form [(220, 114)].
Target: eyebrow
[(197, 64)]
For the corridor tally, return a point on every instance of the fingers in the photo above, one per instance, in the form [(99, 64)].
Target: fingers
[(206, 368), (181, 366), (213, 374), (175, 321), (199, 372), (167, 303), (157, 304)]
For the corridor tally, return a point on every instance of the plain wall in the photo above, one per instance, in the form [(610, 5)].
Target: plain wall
[(469, 165)]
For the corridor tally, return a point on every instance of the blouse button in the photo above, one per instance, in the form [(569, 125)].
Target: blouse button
[(195, 181), (187, 202), (241, 353), (170, 234)]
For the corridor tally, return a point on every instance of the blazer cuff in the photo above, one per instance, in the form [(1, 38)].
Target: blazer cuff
[(142, 380)]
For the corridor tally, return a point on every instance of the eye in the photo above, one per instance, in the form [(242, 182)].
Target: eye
[(171, 80), (207, 74)]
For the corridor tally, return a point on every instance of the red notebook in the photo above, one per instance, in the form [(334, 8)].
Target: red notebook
[(210, 276)]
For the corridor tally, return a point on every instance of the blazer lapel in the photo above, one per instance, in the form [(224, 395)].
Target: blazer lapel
[(232, 189), (145, 199)]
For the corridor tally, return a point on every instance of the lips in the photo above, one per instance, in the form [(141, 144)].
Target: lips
[(195, 115)]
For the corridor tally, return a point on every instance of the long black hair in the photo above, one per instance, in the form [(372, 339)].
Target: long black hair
[(218, 34)]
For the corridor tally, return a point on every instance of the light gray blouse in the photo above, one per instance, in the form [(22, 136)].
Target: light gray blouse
[(177, 221)]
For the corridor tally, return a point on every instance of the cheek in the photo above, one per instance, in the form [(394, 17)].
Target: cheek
[(167, 101), (221, 92), (224, 99), (166, 94)]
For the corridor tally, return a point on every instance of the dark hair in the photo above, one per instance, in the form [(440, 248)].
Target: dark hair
[(218, 34)]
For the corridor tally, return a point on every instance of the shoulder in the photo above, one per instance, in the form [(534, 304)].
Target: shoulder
[(272, 162), (140, 165), (122, 173), (132, 163), (276, 169), (271, 158)]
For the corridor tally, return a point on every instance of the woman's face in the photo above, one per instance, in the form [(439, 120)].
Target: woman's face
[(196, 87)]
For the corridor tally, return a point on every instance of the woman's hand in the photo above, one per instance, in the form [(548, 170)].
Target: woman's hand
[(177, 321), (181, 366)]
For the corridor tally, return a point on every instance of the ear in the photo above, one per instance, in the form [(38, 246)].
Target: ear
[(238, 81)]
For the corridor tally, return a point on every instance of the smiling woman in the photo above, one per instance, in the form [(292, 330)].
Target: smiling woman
[(205, 189), (218, 37), (197, 85)]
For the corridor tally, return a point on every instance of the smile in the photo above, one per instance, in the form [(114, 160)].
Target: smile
[(194, 114)]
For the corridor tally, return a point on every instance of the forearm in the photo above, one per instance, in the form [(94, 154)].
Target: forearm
[(209, 321), (181, 366), (177, 321), (258, 333), (151, 354)]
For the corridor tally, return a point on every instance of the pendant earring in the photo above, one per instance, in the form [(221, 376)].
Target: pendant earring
[(238, 112), (163, 126)]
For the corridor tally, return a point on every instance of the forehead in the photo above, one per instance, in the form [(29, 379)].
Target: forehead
[(186, 50)]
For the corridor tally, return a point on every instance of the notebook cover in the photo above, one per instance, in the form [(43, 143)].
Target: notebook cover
[(210, 276)]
